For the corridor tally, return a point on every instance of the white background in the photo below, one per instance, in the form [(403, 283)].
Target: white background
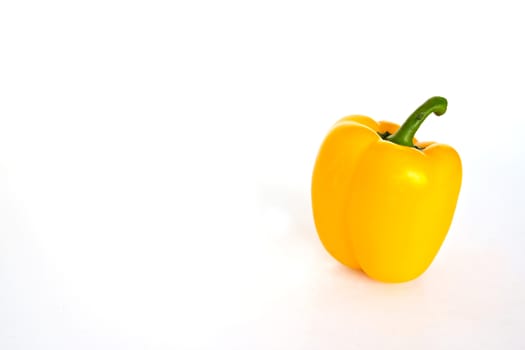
[(155, 163)]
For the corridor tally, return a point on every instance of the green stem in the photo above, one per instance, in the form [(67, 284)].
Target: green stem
[(405, 134)]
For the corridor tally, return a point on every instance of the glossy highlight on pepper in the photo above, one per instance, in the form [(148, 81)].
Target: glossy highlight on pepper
[(383, 202)]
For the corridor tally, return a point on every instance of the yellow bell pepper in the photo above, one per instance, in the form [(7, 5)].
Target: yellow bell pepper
[(382, 201)]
